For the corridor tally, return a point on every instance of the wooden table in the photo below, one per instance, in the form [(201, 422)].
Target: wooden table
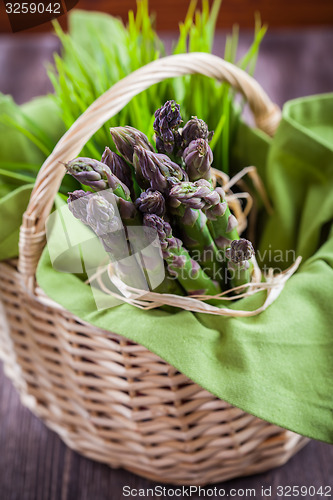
[(34, 463)]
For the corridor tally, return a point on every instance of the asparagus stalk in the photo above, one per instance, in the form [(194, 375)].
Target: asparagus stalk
[(196, 236), (164, 176), (77, 203), (179, 262), (98, 212), (97, 175), (197, 195), (186, 201), (166, 125), (238, 254), (119, 168), (222, 224), (102, 218), (126, 138), (195, 129), (198, 158), (151, 202), (156, 170), (200, 194), (100, 215)]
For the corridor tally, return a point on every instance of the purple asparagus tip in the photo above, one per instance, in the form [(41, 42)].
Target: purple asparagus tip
[(195, 129), (151, 202), (157, 169), (166, 125), (240, 250), (78, 202), (118, 167), (101, 215), (198, 158), (162, 228), (89, 172), (197, 195), (126, 138)]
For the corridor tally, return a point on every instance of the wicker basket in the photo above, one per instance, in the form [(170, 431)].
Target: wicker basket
[(112, 400)]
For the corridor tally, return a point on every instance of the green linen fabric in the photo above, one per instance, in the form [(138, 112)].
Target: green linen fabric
[(18, 153), (277, 365), (20, 158), (12, 207), (41, 112)]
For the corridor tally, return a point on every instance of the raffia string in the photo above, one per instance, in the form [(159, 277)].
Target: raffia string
[(152, 300)]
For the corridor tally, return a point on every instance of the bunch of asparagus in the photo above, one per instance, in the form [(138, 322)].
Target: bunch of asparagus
[(169, 192)]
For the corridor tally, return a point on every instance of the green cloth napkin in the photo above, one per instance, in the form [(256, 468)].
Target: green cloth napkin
[(22, 153), (12, 207), (20, 160), (277, 365)]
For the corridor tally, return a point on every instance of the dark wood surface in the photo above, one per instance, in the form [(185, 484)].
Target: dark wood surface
[(276, 13), (34, 463), (281, 13)]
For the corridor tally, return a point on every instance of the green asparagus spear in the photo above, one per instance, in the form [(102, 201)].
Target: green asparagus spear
[(188, 272), (166, 125), (119, 168), (97, 175), (198, 158), (194, 129), (222, 224), (200, 194), (151, 202), (185, 201), (156, 170), (98, 212), (126, 138), (239, 254)]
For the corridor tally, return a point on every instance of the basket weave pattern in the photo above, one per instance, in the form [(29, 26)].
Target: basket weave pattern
[(108, 398), (118, 403)]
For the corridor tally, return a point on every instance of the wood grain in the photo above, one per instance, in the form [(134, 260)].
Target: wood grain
[(281, 13), (277, 13)]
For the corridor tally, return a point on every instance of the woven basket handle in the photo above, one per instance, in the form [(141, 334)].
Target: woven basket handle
[(32, 234)]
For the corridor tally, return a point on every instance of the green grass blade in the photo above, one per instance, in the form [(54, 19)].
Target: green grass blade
[(217, 132), (9, 121)]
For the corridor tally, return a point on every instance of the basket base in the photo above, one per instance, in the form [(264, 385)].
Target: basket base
[(116, 402)]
